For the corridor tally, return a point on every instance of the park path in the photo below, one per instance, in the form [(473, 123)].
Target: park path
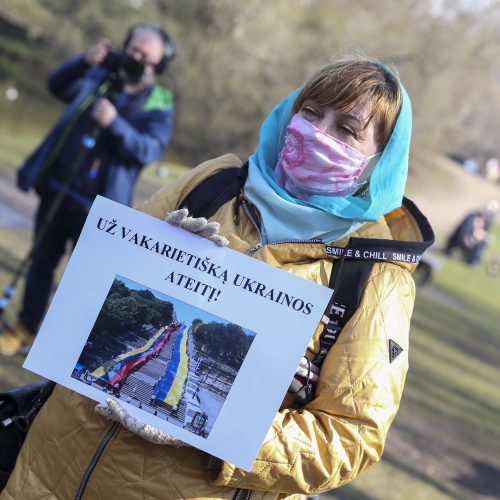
[(16, 208)]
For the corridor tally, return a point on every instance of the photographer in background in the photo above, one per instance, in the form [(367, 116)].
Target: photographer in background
[(118, 120)]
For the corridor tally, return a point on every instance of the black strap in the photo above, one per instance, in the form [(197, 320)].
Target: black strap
[(214, 191), (18, 409), (25, 401), (348, 280)]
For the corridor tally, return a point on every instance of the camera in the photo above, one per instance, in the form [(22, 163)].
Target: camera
[(122, 67)]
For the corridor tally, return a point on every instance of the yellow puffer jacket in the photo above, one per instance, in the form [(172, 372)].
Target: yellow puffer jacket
[(314, 449)]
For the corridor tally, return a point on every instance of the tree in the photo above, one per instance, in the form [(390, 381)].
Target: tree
[(235, 61), (227, 343)]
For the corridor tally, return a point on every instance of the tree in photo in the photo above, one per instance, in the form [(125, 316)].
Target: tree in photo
[(128, 318), (227, 343)]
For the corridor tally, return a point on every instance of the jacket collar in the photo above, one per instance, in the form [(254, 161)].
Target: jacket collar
[(400, 236)]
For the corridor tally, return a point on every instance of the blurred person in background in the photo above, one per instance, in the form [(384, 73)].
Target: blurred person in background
[(492, 169), (330, 169), (118, 120), (471, 235), (471, 165)]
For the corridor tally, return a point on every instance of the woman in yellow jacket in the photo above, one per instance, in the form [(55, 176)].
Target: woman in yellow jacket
[(329, 171)]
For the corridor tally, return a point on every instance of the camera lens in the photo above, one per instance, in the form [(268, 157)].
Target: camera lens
[(112, 61), (131, 69), (123, 67)]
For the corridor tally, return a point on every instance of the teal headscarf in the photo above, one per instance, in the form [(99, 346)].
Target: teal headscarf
[(328, 218)]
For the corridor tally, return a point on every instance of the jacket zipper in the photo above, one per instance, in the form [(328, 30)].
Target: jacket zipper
[(97, 456), (281, 242), (242, 494), (260, 244), (247, 210)]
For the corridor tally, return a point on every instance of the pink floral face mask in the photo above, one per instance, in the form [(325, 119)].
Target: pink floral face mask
[(315, 163)]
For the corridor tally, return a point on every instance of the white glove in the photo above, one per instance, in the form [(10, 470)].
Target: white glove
[(116, 412), (197, 225)]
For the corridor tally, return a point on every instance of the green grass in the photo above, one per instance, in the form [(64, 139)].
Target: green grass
[(455, 365), (14, 149), (394, 479), (450, 408)]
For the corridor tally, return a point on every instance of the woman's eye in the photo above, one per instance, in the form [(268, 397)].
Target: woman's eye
[(348, 130), (310, 112)]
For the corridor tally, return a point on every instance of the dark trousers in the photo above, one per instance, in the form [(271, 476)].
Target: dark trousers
[(65, 226)]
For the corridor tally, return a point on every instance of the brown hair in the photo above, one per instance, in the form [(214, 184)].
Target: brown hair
[(344, 83)]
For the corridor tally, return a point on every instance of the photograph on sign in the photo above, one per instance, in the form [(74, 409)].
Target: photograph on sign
[(162, 355)]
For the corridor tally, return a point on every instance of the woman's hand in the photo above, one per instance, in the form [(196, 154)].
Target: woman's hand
[(197, 225), (116, 412)]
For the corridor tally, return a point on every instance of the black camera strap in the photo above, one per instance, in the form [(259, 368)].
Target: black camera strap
[(100, 91)]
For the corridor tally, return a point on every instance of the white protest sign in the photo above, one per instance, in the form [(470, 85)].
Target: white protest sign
[(196, 340)]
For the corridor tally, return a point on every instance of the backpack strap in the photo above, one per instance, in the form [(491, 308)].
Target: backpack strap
[(214, 191), (347, 280)]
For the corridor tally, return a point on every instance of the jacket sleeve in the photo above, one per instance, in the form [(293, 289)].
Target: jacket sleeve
[(64, 82), (142, 145), (342, 431)]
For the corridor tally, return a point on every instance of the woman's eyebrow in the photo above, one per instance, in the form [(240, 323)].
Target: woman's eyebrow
[(351, 116)]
